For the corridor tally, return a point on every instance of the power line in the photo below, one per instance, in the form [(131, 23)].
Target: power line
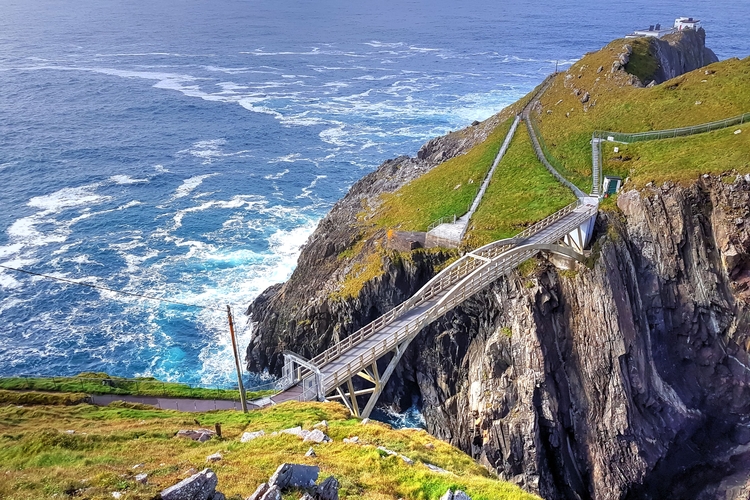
[(99, 287)]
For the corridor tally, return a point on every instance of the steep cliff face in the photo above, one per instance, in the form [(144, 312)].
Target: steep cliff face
[(681, 53), (625, 380)]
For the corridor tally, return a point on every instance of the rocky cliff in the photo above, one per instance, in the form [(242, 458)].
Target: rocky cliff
[(681, 53), (623, 378)]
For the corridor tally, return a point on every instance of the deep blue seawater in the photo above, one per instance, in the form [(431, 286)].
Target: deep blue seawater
[(186, 150)]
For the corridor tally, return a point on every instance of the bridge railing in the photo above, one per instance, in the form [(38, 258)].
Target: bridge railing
[(443, 280), (448, 219), (674, 132)]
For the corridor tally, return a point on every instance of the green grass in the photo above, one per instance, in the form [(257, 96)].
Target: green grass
[(39, 459), (642, 62), (719, 91), (101, 383), (520, 193), (681, 159), (445, 190)]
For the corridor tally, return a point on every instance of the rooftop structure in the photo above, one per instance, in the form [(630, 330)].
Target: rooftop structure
[(686, 23), (656, 31)]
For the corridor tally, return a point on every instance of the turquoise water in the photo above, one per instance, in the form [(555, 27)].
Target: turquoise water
[(186, 150)]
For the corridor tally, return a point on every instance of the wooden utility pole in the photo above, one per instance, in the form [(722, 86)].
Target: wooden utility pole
[(237, 360)]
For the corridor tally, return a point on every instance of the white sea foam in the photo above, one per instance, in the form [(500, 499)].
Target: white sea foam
[(67, 198), (290, 158), (277, 175), (126, 180), (307, 191), (9, 283), (188, 185)]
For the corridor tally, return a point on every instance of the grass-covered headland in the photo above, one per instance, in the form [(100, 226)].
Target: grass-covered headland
[(101, 383), (84, 451)]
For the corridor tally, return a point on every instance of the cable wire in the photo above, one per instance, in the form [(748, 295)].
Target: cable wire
[(99, 287)]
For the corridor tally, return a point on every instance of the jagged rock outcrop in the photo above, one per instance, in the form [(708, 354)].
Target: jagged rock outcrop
[(623, 379), (681, 53)]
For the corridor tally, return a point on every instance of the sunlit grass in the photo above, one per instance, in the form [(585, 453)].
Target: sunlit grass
[(39, 459)]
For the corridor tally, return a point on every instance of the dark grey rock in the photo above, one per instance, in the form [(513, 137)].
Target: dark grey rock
[(328, 489), (448, 495), (199, 486), (259, 492), (273, 493), (294, 476)]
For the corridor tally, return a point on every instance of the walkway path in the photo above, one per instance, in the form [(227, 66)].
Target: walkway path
[(451, 233), (180, 404)]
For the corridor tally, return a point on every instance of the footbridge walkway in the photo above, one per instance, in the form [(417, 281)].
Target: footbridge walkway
[(331, 374), (360, 365)]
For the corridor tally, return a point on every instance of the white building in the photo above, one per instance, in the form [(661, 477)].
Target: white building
[(657, 31), (686, 23)]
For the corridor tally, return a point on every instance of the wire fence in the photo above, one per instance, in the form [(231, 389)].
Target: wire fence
[(674, 132)]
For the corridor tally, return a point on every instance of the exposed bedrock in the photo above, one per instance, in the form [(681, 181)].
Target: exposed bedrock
[(625, 379), (681, 53)]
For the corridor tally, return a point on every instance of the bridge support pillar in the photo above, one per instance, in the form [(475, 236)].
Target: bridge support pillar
[(348, 395)]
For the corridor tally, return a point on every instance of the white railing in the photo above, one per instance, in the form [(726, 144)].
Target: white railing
[(467, 276)]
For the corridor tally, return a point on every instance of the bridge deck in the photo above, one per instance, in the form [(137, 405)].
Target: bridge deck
[(340, 364)]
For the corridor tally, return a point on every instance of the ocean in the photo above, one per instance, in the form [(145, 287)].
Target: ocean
[(186, 150)]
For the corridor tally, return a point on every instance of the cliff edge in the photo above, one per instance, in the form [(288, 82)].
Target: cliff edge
[(625, 377)]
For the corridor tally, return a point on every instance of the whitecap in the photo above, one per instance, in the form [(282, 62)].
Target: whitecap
[(188, 185), (67, 198), (126, 180), (277, 175)]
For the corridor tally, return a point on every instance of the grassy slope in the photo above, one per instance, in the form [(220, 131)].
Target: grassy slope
[(92, 383), (682, 159), (445, 190), (39, 460), (690, 99), (520, 193)]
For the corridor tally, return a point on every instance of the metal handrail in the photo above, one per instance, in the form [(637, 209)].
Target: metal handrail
[(445, 279), (471, 284)]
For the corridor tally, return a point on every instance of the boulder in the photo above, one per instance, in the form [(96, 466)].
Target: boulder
[(316, 436), (310, 453), (460, 495), (352, 440), (200, 435), (294, 476), (259, 492), (447, 496), (295, 431), (249, 436), (307, 496), (273, 493), (407, 460), (141, 478), (200, 486), (328, 489), (435, 468), (214, 458), (323, 425), (585, 98)]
